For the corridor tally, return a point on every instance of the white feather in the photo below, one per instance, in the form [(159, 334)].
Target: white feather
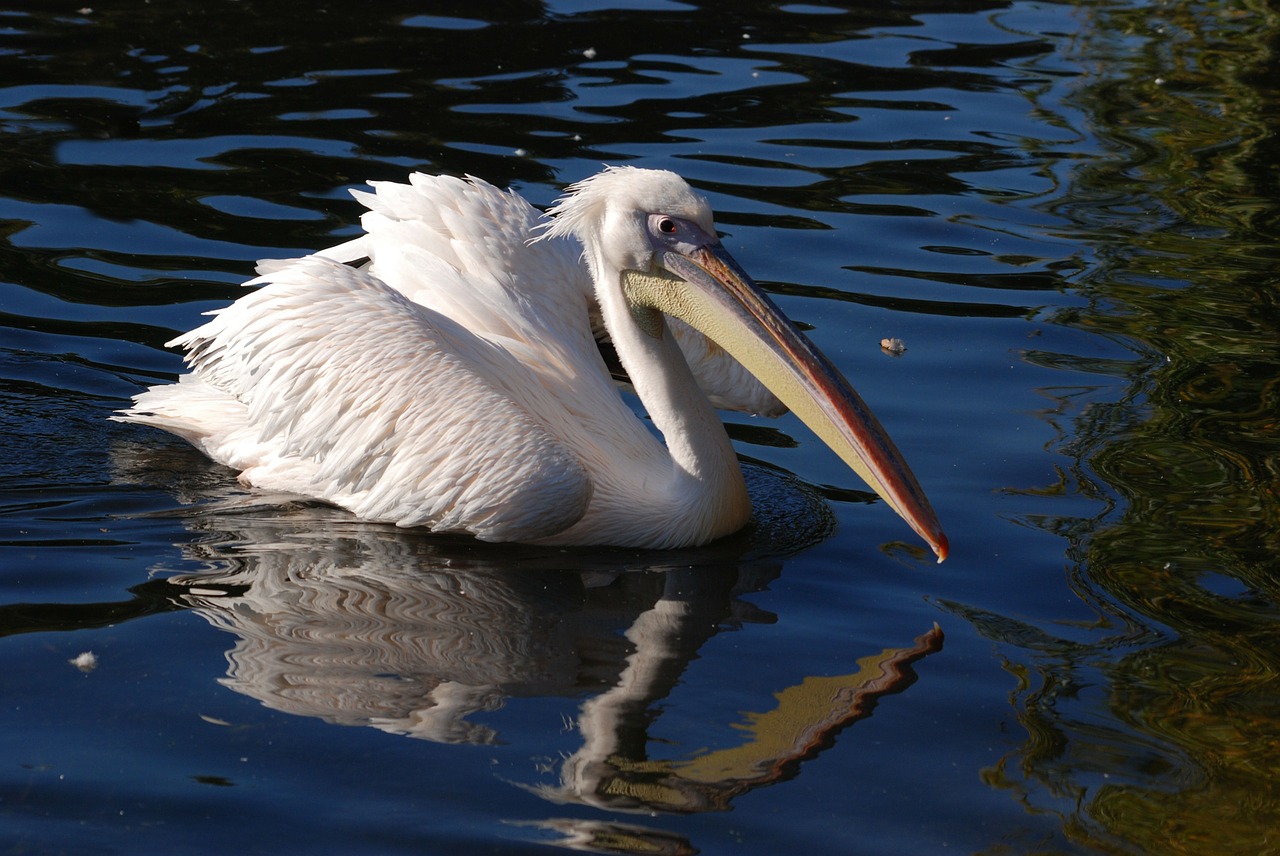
[(452, 382)]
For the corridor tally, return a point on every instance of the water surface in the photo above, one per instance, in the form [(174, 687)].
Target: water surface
[(1067, 213)]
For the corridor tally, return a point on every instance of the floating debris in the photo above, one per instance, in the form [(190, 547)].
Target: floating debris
[(589, 53), (892, 346), (85, 662)]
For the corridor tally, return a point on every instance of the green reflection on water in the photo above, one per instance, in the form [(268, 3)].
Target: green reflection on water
[(1163, 735)]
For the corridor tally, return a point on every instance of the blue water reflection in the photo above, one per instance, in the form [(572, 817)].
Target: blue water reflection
[(1066, 212)]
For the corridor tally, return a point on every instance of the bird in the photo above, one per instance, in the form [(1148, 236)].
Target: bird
[(444, 370)]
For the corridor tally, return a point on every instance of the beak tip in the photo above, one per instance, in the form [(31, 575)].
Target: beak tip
[(941, 547)]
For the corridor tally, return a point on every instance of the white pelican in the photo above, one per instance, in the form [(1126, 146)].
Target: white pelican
[(453, 380)]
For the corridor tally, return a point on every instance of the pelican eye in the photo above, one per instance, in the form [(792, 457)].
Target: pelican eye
[(668, 233)]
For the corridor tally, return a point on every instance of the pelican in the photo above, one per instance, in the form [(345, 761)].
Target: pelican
[(442, 370)]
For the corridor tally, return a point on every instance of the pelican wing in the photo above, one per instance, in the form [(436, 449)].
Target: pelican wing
[(328, 383), (461, 247), (422, 237)]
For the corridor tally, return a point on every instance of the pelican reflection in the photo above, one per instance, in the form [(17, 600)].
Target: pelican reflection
[(363, 624)]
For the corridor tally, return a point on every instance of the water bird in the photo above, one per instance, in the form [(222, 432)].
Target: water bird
[(444, 370)]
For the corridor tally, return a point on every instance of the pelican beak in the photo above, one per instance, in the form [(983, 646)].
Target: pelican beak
[(705, 287)]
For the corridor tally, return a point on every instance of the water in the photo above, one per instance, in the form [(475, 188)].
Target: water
[(1065, 211)]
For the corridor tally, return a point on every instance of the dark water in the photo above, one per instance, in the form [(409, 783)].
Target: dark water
[(1068, 213)]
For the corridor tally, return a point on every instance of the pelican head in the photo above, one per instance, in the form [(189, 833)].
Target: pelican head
[(648, 236)]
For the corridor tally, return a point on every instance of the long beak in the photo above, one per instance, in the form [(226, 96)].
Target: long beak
[(712, 293)]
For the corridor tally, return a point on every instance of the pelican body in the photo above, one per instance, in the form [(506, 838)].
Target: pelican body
[(443, 370)]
